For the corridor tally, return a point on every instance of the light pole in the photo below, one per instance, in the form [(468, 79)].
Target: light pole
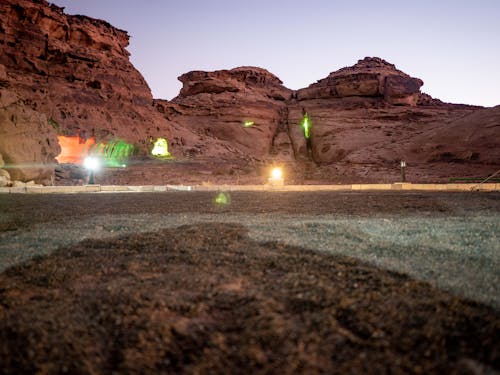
[(92, 164), (403, 171)]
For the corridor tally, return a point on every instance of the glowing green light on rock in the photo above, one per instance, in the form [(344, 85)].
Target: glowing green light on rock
[(306, 125), (115, 153), (248, 124), (222, 199), (160, 148)]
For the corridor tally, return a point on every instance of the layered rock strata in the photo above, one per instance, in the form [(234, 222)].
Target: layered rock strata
[(370, 113), (28, 143), (242, 110), (76, 71), (370, 77), (71, 75)]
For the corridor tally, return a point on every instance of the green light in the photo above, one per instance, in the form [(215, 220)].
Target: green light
[(222, 199), (160, 148), (306, 125), (248, 124), (115, 153)]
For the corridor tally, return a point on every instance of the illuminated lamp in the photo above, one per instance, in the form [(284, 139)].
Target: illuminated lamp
[(276, 178), (92, 164)]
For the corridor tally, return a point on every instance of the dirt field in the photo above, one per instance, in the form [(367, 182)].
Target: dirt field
[(340, 283)]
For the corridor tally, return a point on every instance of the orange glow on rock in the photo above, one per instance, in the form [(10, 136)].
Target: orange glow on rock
[(73, 149)]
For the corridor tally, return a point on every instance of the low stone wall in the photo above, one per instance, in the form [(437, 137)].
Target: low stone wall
[(164, 188)]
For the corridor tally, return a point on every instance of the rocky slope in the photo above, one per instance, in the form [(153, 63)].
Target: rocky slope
[(76, 71)]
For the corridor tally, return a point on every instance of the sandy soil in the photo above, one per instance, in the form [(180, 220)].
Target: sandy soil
[(229, 295)]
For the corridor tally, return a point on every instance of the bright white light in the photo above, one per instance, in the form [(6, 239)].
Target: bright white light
[(276, 174), (91, 163)]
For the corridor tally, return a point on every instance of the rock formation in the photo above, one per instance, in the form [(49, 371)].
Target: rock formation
[(370, 77), (76, 71), (28, 144), (70, 75), (368, 114), (243, 109)]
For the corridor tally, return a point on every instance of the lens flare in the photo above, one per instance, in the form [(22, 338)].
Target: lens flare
[(222, 199), (91, 163)]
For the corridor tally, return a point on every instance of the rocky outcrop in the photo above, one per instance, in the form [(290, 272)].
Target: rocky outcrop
[(370, 77), (28, 143), (242, 110), (71, 75), (473, 139), (76, 71), (364, 114)]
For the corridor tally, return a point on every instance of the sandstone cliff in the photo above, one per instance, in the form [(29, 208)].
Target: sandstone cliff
[(76, 71), (70, 75), (241, 110), (370, 114), (28, 143)]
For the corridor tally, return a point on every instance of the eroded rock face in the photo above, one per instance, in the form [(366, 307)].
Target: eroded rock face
[(28, 143), (70, 75), (76, 71), (370, 77), (243, 108), (369, 114)]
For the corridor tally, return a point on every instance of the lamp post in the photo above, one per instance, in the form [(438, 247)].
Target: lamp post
[(403, 171), (92, 164)]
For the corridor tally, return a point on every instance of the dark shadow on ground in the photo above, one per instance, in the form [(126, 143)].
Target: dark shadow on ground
[(208, 299)]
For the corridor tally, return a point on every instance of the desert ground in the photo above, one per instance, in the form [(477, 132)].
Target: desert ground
[(250, 282)]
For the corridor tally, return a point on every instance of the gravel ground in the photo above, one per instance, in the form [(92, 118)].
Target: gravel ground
[(250, 283), (448, 239)]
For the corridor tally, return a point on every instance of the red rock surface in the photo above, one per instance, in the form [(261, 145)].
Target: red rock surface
[(367, 118), (26, 140), (76, 70), (238, 112), (372, 77)]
